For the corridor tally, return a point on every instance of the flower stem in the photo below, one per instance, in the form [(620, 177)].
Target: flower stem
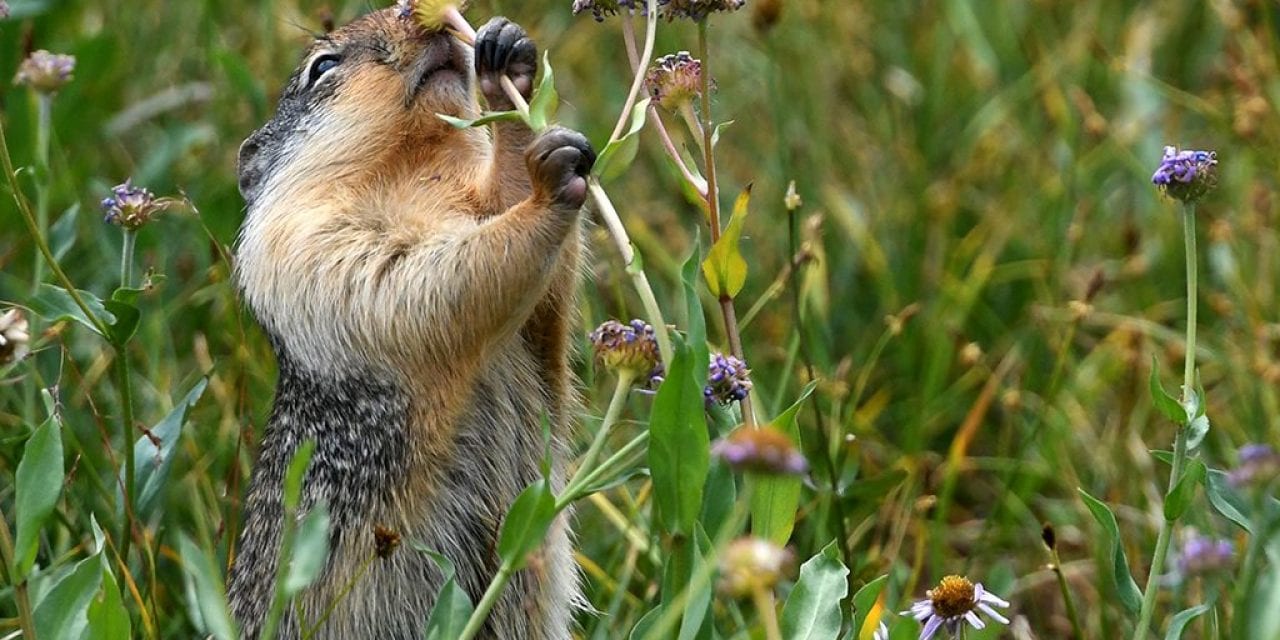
[(1189, 400), (638, 278), (26, 617), (1249, 569), (616, 403), (763, 600), (637, 81), (1077, 631), (124, 377), (487, 601), (126, 258), (44, 130)]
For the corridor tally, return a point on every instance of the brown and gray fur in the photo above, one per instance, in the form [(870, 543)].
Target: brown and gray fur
[(416, 283)]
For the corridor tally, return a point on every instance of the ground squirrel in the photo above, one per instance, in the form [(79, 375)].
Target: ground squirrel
[(415, 281)]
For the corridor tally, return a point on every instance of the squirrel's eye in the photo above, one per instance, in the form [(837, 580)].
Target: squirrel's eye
[(320, 66)]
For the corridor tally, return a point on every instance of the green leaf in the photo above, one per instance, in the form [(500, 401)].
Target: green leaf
[(1180, 621), (37, 487), (54, 304), (718, 499), (775, 499), (62, 235), (1121, 579), (488, 118), (812, 611), (725, 269), (864, 601), (526, 524), (644, 626), (679, 448), (207, 599), (697, 604), (1196, 431), (153, 453), (545, 101), (310, 550), (617, 156), (1167, 405), (715, 133), (108, 617), (1226, 500), (453, 608), (1175, 504), (64, 612), (125, 325), (294, 474)]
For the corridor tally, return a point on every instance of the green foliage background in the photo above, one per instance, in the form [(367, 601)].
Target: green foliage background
[(976, 164)]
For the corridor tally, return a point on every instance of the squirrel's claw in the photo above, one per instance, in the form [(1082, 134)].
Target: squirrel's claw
[(504, 48)]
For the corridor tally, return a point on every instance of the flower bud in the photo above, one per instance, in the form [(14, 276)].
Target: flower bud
[(728, 379), (45, 72), (132, 207), (760, 450), (751, 564), (674, 79), (626, 347)]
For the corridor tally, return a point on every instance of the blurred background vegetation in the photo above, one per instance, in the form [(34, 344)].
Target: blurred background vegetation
[(985, 272)]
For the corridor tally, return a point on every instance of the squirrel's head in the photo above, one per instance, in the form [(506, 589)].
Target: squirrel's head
[(372, 86)]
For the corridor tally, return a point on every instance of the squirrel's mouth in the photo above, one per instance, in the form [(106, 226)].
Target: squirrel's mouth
[(441, 56)]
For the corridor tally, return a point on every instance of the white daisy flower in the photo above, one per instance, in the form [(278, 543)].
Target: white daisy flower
[(14, 338), (953, 602)]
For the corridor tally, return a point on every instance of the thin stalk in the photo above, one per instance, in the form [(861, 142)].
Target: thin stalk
[(44, 130), (333, 604), (616, 404), (486, 603), (26, 617), (1248, 571), (125, 382), (713, 207), (637, 81), (1077, 631), (763, 600), (1180, 437), (613, 223), (612, 461), (126, 258)]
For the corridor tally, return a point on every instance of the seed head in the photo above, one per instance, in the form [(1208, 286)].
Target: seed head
[(601, 8), (760, 450), (751, 564), (14, 337), (1259, 465), (132, 207), (698, 10), (385, 541), (433, 15), (728, 380), (1186, 175), (1202, 555), (45, 72), (674, 79), (953, 602), (631, 347)]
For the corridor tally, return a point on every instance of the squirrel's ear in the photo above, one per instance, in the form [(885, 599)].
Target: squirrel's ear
[(252, 168)]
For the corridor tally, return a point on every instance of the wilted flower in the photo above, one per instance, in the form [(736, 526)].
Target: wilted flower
[(601, 8), (674, 80), (760, 450), (1203, 554), (630, 347), (132, 207), (1259, 464), (953, 602), (728, 379), (385, 541), (699, 9), (1186, 175), (14, 336), (752, 564), (45, 72)]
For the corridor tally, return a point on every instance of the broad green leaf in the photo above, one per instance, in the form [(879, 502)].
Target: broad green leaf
[(153, 453), (718, 499), (37, 487), (697, 604), (526, 524), (64, 612), (108, 617), (545, 101), (1167, 405), (775, 499), (1175, 504), (295, 473), (812, 611), (725, 269), (62, 235), (125, 325), (453, 608), (644, 626), (1121, 578), (696, 324), (310, 550), (207, 600), (863, 602), (1179, 622), (54, 304), (617, 156), (487, 118)]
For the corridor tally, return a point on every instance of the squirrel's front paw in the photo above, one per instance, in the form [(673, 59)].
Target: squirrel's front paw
[(559, 162), (503, 48)]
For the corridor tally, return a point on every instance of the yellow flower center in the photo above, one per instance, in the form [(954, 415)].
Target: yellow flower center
[(953, 597)]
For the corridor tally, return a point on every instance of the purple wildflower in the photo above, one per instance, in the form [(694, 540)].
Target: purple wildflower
[(760, 450), (728, 380), (1186, 175), (698, 10), (1203, 554), (601, 8), (1259, 465), (674, 80), (45, 72), (132, 207), (632, 347)]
